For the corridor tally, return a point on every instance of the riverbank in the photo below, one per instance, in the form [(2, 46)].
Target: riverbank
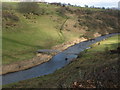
[(26, 64), (38, 59), (65, 45), (96, 68)]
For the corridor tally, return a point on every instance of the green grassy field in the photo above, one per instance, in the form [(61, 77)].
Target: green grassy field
[(109, 44), (90, 66)]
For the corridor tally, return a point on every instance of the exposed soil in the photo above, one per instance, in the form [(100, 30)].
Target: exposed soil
[(68, 44), (26, 64)]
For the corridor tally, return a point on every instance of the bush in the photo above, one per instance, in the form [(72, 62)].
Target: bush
[(8, 15), (89, 11), (75, 25), (89, 35), (69, 10), (61, 11), (30, 7)]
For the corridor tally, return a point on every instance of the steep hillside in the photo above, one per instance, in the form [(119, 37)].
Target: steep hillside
[(24, 33)]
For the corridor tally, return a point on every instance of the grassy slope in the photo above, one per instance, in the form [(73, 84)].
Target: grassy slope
[(21, 41), (96, 63), (29, 37)]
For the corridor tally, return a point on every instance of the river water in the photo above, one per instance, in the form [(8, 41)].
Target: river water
[(57, 62)]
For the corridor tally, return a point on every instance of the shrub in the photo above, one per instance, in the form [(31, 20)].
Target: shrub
[(8, 15), (69, 10), (30, 7), (74, 25), (88, 11), (61, 11), (89, 35)]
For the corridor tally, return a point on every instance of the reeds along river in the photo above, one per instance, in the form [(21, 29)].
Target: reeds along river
[(57, 62)]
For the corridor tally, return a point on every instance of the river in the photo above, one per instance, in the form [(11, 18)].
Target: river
[(57, 62)]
